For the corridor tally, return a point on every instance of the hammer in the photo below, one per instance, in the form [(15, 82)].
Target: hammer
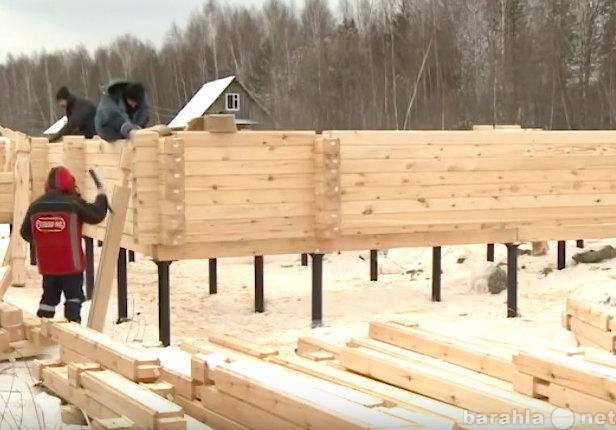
[(99, 184)]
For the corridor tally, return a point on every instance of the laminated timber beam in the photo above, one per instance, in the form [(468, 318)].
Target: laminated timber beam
[(495, 364), (464, 392), (315, 402), (96, 347)]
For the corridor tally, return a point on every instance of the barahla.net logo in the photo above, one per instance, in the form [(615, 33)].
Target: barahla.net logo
[(560, 419)]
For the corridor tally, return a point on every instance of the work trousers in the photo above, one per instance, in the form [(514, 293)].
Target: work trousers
[(53, 287)]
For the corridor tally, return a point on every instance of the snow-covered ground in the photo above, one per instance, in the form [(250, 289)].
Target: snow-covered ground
[(351, 301)]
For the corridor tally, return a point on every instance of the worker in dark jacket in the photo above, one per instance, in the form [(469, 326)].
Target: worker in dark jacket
[(122, 109), (53, 225), (79, 113)]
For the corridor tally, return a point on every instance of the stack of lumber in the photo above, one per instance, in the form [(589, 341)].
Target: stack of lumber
[(115, 385), (584, 383), (428, 373), (400, 376), (124, 386), (20, 335), (235, 387), (594, 325)]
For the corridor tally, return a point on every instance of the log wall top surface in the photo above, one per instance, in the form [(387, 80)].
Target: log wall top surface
[(202, 194)]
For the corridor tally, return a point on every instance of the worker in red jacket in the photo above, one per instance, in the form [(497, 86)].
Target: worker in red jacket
[(53, 224)]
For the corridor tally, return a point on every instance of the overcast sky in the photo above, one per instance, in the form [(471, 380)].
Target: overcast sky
[(31, 25)]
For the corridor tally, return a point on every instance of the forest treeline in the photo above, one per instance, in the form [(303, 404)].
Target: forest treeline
[(368, 64)]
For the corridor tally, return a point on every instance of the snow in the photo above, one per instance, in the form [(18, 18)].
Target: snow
[(201, 101), (351, 301), (57, 126)]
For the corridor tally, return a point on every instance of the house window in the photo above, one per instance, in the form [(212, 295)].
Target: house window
[(232, 102)]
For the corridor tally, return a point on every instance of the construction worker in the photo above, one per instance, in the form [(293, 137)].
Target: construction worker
[(79, 113), (122, 110), (53, 225)]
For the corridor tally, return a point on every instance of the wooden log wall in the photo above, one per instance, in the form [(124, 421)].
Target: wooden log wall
[(518, 185), (205, 194), (8, 153), (244, 193)]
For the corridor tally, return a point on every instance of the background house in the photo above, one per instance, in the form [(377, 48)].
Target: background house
[(226, 95)]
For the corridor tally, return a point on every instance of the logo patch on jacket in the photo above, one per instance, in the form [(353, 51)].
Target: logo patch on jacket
[(50, 224)]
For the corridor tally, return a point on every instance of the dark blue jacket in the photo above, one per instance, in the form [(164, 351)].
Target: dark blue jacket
[(114, 120), (80, 115)]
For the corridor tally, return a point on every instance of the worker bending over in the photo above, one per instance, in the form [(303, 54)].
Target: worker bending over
[(79, 113), (53, 225), (122, 110)]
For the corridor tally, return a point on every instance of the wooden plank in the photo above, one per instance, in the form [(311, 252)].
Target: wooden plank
[(246, 347), (360, 192), (579, 402), (466, 137), (76, 369), (19, 248), (249, 211), (96, 347), (10, 315), (163, 389), (210, 418), (127, 398), (506, 178), (201, 196), (184, 384), (267, 181), (109, 254), (20, 350), (306, 344), (5, 278), (413, 417), (251, 153), (590, 335), (242, 412), (222, 229), (263, 167), (412, 150), (208, 356), (569, 372), (273, 393), (470, 357), (39, 365), (453, 389), (247, 138), (457, 205), (319, 356), (56, 380), (493, 164), (413, 358), (589, 313), (4, 340), (219, 249), (486, 219), (200, 369), (121, 423)]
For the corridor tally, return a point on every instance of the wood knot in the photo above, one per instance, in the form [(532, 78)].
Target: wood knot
[(368, 211)]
